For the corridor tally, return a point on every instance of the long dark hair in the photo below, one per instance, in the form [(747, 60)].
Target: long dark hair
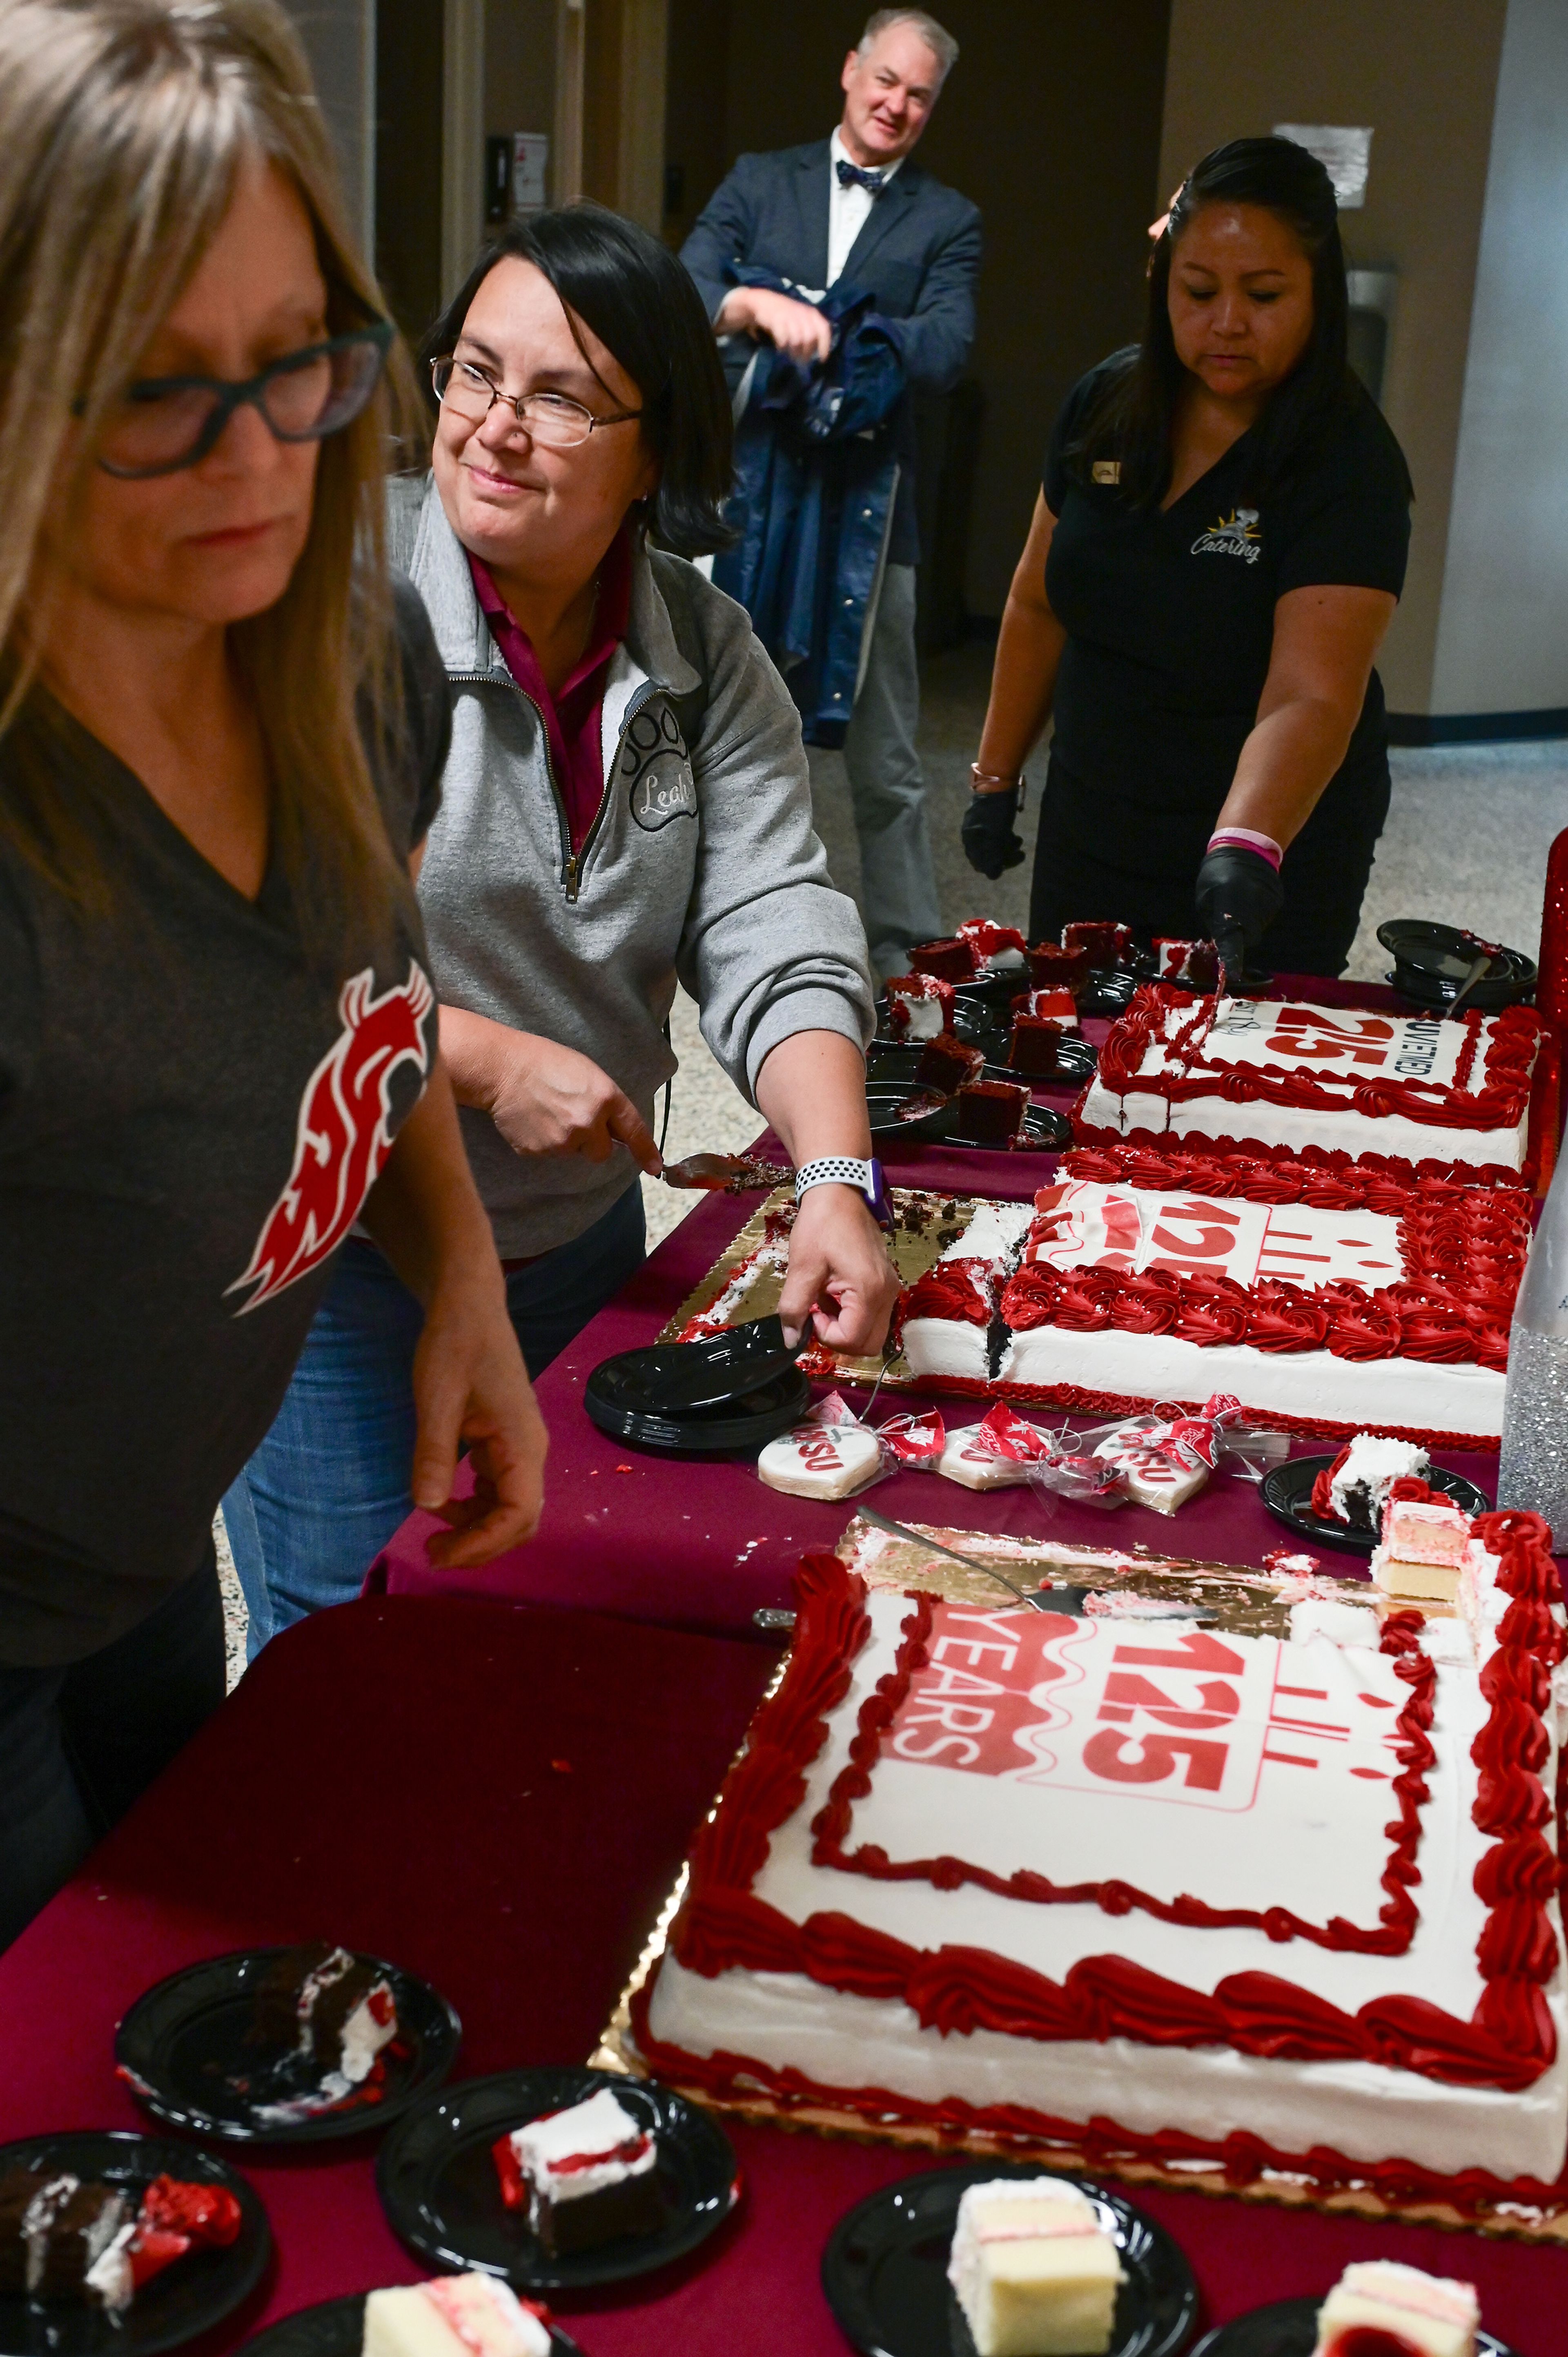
[(639, 301), (1132, 418)]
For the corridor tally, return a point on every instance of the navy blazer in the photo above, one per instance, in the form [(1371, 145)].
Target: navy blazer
[(918, 255)]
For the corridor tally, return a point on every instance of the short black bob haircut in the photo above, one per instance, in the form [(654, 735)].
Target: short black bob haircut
[(639, 300), (1132, 419)]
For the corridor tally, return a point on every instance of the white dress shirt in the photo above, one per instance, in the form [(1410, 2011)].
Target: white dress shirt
[(847, 208)]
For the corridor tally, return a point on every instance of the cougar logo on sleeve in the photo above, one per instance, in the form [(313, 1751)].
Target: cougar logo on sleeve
[(343, 1138)]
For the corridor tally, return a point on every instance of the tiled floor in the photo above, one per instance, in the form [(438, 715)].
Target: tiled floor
[(1466, 843)]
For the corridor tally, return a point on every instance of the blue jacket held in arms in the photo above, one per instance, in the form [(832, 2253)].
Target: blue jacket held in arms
[(911, 272), (816, 476)]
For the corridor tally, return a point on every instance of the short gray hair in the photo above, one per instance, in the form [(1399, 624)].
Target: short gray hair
[(937, 38)]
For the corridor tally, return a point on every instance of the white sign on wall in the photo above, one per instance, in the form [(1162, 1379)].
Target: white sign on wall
[(1343, 149), (530, 162)]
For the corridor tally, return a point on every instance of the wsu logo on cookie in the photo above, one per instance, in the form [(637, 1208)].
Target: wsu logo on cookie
[(655, 766), (344, 1134)]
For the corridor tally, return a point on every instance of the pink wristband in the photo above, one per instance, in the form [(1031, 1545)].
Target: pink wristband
[(1263, 845)]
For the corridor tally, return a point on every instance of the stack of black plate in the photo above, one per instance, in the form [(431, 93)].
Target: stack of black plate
[(1431, 962), (734, 1391)]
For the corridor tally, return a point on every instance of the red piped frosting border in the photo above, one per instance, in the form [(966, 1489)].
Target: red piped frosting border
[(1397, 1918), (1500, 1101), (1510, 2040), (1323, 1178)]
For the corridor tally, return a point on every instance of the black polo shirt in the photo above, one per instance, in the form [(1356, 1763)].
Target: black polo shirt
[(1169, 621), (191, 1112)]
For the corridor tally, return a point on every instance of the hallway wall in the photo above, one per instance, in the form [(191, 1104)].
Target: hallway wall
[(1422, 73)]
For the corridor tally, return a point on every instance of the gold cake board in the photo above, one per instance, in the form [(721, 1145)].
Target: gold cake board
[(1247, 1601)]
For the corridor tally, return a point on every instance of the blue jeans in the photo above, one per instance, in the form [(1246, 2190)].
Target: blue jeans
[(329, 1484), (79, 1743)]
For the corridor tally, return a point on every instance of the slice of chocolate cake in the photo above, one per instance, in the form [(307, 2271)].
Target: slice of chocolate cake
[(66, 2240), (19, 2188), (588, 2175), (991, 1113), (324, 2002)]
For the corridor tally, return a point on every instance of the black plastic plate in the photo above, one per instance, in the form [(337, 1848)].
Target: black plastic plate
[(884, 2269), (185, 2050), (439, 2188)]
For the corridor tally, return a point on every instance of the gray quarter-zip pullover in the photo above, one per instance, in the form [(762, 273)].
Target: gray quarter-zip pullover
[(702, 866)]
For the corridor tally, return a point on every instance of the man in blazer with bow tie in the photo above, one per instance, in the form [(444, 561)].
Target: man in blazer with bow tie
[(855, 207)]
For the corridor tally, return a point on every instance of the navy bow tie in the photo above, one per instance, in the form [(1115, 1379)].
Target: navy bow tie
[(854, 176)]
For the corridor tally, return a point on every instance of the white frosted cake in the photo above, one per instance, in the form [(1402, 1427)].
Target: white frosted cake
[(1270, 1073), (1136, 1892), (1105, 1297)]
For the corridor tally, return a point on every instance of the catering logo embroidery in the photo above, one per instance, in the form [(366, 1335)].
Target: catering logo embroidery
[(344, 1134), (657, 770), (1236, 535)]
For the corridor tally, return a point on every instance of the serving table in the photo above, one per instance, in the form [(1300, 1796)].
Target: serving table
[(702, 1544), (500, 1800)]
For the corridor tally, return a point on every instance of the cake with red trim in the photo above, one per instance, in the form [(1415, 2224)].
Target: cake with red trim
[(1279, 1906), (1247, 1073), (1326, 1297)]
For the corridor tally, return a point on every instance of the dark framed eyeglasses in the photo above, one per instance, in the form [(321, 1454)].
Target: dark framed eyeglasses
[(552, 418), (161, 423)]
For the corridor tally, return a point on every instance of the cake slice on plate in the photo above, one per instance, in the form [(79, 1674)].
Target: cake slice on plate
[(1034, 2270), (1378, 2306), (587, 2174), (1422, 1552), (325, 2002), (455, 2316)]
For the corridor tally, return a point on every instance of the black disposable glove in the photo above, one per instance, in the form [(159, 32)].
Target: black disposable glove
[(989, 844), (1239, 895)]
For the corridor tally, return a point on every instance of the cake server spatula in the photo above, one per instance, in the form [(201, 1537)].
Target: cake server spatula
[(1064, 1599)]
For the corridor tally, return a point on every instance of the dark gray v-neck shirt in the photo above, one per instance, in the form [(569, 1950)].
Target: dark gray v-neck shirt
[(190, 1115)]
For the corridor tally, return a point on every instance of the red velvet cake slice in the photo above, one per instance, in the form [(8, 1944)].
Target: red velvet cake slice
[(991, 1113), (1032, 1048), (919, 1005), (1106, 944), (951, 961), (946, 1063), (998, 949)]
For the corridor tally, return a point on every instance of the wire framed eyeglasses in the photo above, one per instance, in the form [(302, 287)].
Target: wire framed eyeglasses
[(552, 418)]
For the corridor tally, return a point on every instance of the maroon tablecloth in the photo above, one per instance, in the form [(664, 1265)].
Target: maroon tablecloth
[(702, 1544), (386, 1775)]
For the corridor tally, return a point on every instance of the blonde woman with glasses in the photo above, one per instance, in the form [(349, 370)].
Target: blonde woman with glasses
[(221, 735)]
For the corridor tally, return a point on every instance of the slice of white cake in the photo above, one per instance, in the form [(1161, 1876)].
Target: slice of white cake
[(455, 2316), (1035, 2272), (1431, 2316)]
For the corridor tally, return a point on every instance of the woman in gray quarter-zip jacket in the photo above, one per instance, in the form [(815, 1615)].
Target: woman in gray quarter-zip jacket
[(626, 804)]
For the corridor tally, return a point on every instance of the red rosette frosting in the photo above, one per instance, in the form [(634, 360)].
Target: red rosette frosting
[(958, 1290), (1030, 1297), (1282, 1317)]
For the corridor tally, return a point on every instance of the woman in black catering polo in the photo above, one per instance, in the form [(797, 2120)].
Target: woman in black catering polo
[(1216, 554)]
